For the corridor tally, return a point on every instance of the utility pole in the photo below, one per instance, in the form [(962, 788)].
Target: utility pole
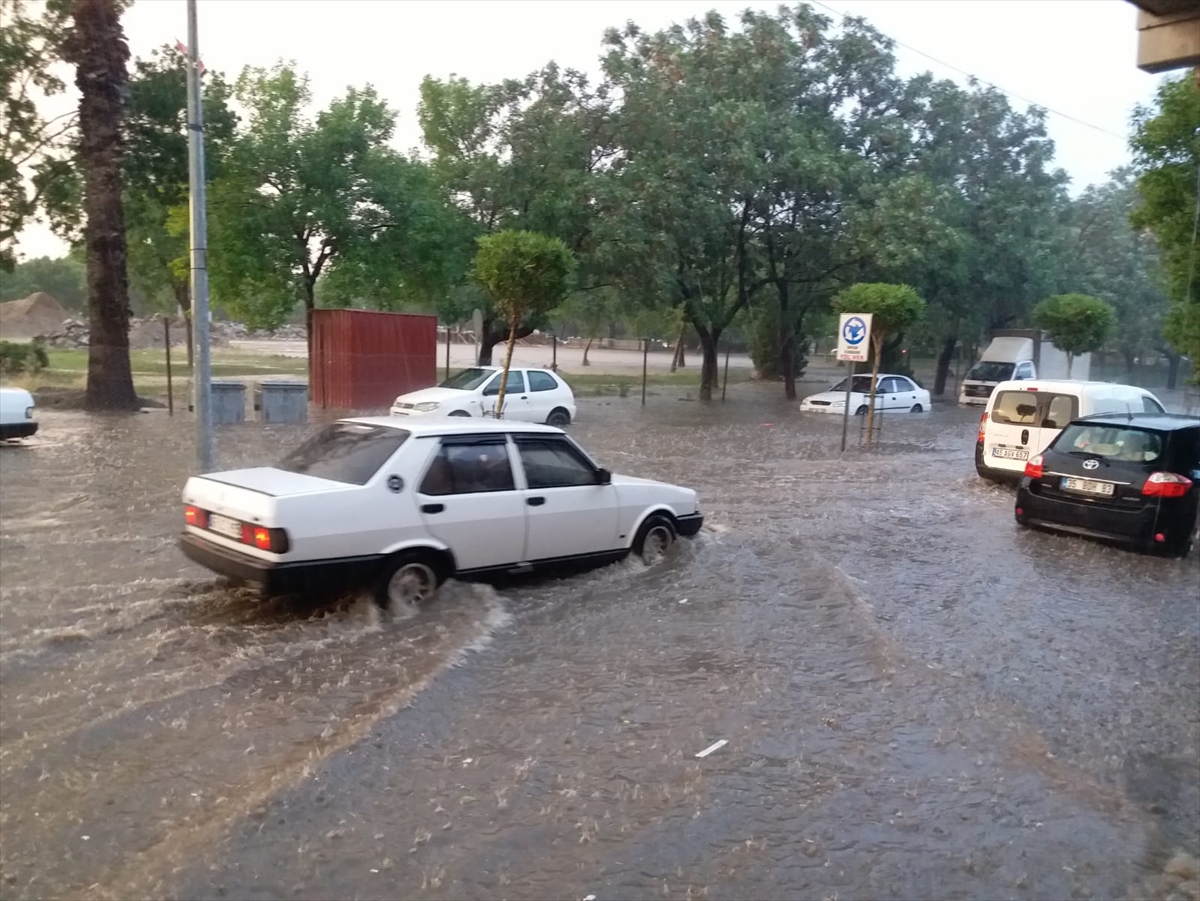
[(202, 382)]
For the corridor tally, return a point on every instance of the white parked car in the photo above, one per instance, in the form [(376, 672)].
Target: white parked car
[(402, 505), (16, 414), (893, 392), (532, 395)]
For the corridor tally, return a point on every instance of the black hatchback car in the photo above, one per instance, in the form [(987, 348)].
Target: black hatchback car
[(1127, 477)]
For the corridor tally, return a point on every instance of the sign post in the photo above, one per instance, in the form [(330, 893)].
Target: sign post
[(854, 342)]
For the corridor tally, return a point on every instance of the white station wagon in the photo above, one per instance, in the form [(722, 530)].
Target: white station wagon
[(532, 395), (401, 506)]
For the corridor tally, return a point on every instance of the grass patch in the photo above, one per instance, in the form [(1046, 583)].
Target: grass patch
[(153, 362)]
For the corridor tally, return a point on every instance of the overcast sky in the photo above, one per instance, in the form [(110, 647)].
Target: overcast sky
[(1074, 57)]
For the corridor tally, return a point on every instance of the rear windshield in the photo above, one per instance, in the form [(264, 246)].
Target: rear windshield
[(1015, 408), (345, 452), (1112, 442), (987, 371)]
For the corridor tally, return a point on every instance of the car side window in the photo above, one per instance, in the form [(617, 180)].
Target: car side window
[(469, 467), (1150, 405), (1060, 410), (516, 384), (553, 463), (905, 385), (541, 381)]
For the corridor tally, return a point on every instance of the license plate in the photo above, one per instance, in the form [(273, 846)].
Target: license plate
[(1010, 453), (224, 525), (1087, 486)]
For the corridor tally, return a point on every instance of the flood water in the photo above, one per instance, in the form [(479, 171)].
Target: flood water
[(920, 700)]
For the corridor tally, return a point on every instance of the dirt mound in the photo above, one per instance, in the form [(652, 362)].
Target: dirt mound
[(37, 314)]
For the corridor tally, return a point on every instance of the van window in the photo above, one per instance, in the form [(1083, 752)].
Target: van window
[(1112, 442), (1015, 408), (1150, 405), (1060, 410)]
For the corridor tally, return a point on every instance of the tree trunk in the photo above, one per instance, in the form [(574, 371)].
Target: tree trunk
[(709, 365), (512, 340), (1070, 360), (183, 301), (99, 51), (678, 360), (1173, 369), (1129, 356), (492, 335), (945, 355), (586, 348), (877, 340), (787, 341)]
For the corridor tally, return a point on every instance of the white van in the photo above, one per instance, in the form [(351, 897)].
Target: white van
[(16, 414), (1024, 415)]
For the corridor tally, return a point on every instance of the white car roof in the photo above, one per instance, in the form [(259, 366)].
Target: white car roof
[(455, 425), (1068, 383)]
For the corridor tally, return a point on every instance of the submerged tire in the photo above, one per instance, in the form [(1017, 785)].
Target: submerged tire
[(917, 408), (461, 413), (861, 411), (408, 581), (654, 539), (558, 417)]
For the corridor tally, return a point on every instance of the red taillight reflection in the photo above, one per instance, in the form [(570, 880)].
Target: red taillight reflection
[(1033, 469), (194, 516), (1166, 484)]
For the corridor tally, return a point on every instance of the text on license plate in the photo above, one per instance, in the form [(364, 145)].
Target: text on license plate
[(1087, 486), (1010, 453), (223, 525)]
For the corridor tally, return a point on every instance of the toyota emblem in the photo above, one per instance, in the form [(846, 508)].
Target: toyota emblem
[(1091, 464)]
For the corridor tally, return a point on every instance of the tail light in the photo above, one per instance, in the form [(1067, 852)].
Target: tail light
[(982, 426), (194, 516), (1166, 484), (273, 540), (1033, 469)]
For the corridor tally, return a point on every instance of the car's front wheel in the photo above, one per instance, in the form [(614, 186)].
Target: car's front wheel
[(408, 581), (654, 539), (558, 417), (861, 411), (461, 413)]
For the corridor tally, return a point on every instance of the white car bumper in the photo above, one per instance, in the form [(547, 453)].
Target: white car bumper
[(807, 407)]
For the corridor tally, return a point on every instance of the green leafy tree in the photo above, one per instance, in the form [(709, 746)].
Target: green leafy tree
[(1075, 323), (37, 175), (893, 309), (97, 48), (156, 175), (526, 274), (1166, 149), (64, 279)]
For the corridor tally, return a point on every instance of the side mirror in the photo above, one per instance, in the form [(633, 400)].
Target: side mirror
[(603, 477)]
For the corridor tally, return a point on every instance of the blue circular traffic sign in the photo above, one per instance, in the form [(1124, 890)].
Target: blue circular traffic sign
[(854, 331)]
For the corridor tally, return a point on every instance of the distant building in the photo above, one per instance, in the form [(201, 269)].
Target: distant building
[(1168, 34)]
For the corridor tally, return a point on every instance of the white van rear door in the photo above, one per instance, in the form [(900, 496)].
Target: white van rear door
[(1013, 428)]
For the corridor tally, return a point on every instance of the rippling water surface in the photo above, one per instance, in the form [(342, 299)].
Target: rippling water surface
[(920, 700)]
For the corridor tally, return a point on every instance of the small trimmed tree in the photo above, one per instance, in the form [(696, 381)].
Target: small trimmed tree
[(893, 308), (527, 274), (1075, 323)]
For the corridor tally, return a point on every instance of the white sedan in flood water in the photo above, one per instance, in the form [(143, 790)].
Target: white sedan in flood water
[(892, 392), (402, 505)]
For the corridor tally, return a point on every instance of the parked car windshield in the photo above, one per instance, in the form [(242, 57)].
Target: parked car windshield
[(468, 379), (1111, 442), (862, 385), (345, 452), (989, 371)]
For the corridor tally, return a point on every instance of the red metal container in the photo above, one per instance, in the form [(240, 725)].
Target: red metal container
[(360, 360)]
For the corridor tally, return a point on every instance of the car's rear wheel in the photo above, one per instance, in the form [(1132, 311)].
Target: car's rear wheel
[(861, 411), (654, 539), (461, 413), (917, 408), (558, 417), (408, 581)]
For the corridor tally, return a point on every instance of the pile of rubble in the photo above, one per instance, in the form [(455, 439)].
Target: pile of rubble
[(147, 333)]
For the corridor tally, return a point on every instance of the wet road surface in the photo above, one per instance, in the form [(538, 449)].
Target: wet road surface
[(920, 699)]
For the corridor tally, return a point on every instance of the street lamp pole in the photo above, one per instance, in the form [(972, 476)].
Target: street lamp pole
[(199, 250)]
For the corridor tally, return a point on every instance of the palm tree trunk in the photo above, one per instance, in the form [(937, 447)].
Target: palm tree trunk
[(98, 49)]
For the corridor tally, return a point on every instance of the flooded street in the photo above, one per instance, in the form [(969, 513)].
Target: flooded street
[(919, 698)]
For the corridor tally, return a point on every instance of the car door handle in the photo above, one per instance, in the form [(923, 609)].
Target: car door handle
[(432, 508), (535, 501)]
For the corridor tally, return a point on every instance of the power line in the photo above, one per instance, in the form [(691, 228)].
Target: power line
[(1104, 131)]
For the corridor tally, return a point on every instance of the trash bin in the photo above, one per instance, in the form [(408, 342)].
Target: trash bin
[(283, 400), (228, 402)]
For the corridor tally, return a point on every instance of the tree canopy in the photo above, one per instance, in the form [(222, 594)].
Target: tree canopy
[(1075, 323)]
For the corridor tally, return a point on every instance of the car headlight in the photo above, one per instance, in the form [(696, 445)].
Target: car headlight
[(426, 407), (837, 403)]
